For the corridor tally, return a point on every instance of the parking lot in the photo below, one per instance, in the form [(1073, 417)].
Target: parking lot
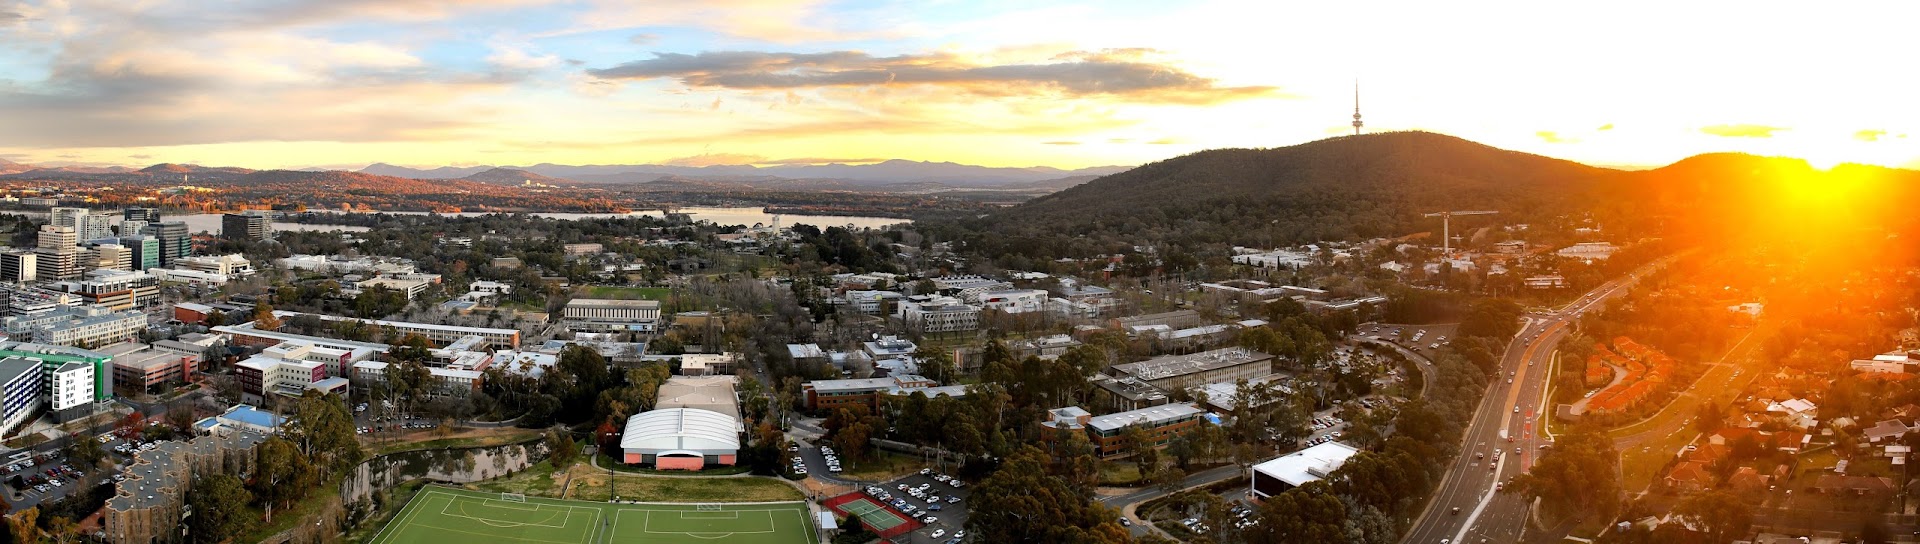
[(1424, 339), (932, 498), (46, 478), (819, 462), (366, 421)]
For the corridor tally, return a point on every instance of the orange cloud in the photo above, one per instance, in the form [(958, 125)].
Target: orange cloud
[(1742, 131), (1552, 137)]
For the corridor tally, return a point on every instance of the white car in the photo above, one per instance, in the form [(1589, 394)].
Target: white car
[(937, 533)]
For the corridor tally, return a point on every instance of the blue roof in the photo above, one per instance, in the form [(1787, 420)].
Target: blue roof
[(249, 415), (207, 424)]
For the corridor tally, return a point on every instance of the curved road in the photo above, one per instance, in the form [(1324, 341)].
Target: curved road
[(1503, 439)]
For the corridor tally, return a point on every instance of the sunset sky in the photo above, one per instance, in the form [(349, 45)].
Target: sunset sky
[(344, 83)]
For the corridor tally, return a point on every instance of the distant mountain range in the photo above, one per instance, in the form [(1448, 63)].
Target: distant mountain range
[(895, 173), (893, 176)]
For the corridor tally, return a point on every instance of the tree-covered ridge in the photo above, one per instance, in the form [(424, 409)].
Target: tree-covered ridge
[(1335, 189), (1381, 185)]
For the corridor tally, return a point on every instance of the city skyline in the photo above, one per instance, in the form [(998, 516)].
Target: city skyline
[(430, 83)]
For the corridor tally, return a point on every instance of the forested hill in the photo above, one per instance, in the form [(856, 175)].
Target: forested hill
[(1339, 188), (1380, 185)]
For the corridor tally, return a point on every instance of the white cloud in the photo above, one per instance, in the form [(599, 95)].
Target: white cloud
[(515, 58)]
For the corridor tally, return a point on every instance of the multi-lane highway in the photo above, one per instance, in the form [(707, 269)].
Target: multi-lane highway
[(1504, 438)]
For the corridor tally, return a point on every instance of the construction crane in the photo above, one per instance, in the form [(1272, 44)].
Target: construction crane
[(1446, 229)]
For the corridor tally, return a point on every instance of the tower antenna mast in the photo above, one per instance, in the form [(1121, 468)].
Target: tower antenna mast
[(1446, 228), (1356, 108)]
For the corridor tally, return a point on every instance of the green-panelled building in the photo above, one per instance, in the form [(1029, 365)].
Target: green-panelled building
[(52, 357)]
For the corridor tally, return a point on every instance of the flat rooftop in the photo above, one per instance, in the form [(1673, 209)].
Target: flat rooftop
[(1143, 416), (246, 413), (146, 361), (616, 303), (710, 393), (1181, 365), (1308, 465)]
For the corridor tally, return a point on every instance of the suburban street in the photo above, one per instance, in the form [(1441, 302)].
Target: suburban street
[(1505, 436)]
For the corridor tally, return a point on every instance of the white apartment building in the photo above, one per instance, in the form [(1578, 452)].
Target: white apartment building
[(940, 314), (490, 287), (71, 386), (263, 375), (871, 302), (79, 325), (20, 385), (412, 288), (1014, 301)]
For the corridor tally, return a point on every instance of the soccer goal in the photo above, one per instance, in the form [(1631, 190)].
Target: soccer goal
[(708, 507), (513, 497)]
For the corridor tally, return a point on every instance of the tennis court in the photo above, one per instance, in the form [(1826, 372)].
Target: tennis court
[(439, 514), (884, 521), (876, 516)]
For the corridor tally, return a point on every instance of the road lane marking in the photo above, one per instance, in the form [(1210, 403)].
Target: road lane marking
[(1482, 506)]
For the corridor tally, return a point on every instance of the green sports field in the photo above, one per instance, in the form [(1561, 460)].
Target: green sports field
[(439, 514)]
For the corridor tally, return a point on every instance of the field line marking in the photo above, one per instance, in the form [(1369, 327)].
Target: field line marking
[(495, 537), (400, 517)]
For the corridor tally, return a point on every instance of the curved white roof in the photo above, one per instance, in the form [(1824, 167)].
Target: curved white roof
[(681, 430)]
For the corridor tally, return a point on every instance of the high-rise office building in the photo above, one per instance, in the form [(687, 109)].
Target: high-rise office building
[(252, 225), (175, 242), (114, 256), (131, 227), (66, 217), (18, 266), (58, 255), (95, 226), (145, 250), (145, 215), (86, 224)]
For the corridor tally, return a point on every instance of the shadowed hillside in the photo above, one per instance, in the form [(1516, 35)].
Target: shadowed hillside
[(1340, 188), (1380, 185)]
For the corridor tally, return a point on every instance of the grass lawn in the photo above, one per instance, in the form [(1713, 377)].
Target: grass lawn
[(1119, 473), (502, 436), (884, 466), (1639, 467), (625, 293), (1818, 460), (440, 514), (538, 480), (521, 306), (301, 512)]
